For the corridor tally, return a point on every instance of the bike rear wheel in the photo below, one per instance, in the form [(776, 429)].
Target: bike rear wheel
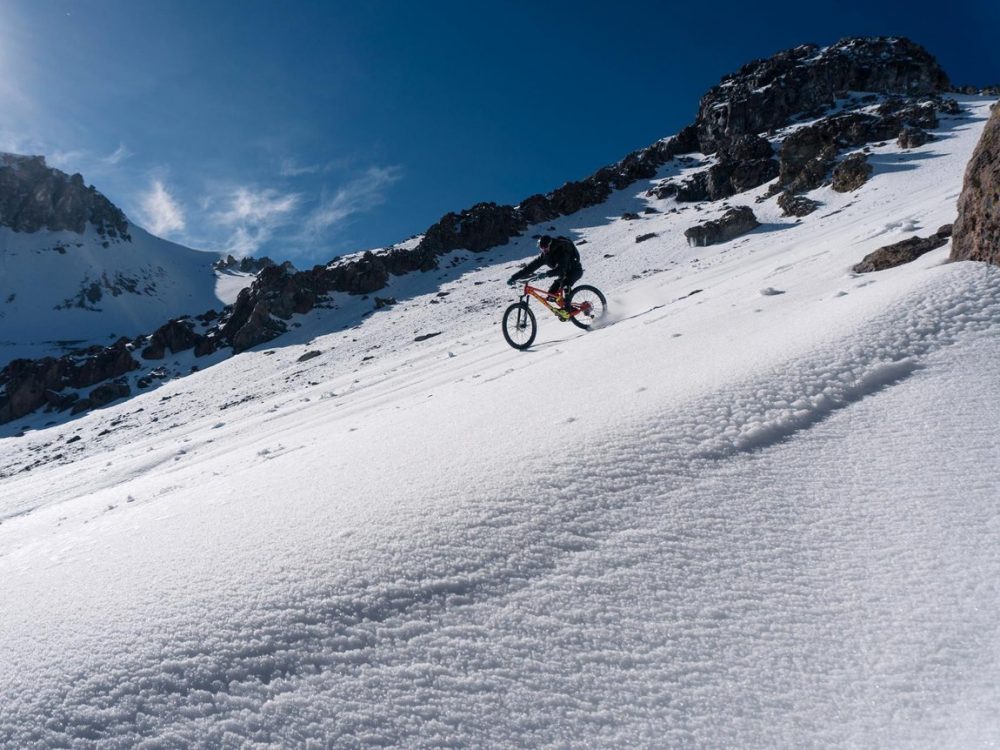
[(519, 325), (588, 304)]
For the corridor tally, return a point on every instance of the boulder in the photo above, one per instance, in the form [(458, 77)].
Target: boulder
[(851, 173), (898, 253), (912, 137), (976, 232), (796, 205), (733, 223)]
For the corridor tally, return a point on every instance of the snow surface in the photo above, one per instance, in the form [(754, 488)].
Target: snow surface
[(757, 509), (45, 278)]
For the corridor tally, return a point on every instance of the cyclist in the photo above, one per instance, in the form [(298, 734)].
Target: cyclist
[(560, 255)]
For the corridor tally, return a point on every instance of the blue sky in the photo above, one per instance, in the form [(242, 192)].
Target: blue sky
[(304, 130)]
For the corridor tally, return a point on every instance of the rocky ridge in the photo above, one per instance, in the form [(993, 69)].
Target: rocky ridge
[(34, 196)]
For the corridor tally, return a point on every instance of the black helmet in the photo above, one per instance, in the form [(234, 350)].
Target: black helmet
[(543, 242)]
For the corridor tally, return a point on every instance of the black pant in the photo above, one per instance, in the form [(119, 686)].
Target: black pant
[(567, 281)]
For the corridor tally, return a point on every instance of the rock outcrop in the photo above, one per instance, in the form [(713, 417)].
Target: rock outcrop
[(977, 229), (32, 383), (851, 173), (808, 154), (898, 253), (732, 224), (176, 335), (247, 264), (765, 94), (796, 205), (912, 137), (744, 163), (34, 196)]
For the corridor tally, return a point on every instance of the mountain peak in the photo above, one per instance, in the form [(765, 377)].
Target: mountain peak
[(35, 196), (766, 93)]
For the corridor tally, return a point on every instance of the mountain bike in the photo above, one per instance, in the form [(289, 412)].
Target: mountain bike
[(584, 306)]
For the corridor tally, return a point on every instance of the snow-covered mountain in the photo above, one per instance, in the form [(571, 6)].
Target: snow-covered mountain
[(756, 508), (75, 271)]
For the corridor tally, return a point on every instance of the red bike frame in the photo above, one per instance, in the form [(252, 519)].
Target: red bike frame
[(542, 296)]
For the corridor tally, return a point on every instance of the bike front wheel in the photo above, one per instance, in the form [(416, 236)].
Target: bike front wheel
[(588, 304), (519, 325)]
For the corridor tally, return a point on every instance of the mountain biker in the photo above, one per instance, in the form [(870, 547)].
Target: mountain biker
[(561, 255)]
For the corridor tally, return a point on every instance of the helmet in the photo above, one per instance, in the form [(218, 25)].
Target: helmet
[(543, 242)]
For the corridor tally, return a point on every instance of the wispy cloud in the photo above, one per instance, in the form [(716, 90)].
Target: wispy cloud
[(358, 196), (119, 155), (252, 216), (160, 212), (292, 168)]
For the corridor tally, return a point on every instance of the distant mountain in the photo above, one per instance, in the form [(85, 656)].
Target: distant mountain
[(74, 269)]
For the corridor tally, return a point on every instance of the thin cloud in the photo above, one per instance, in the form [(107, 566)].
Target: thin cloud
[(291, 168), (358, 196), (160, 212), (119, 155), (252, 216)]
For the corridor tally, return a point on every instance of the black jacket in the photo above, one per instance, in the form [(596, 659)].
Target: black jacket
[(562, 257)]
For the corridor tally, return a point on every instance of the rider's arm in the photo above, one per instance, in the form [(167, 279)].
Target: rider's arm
[(529, 269)]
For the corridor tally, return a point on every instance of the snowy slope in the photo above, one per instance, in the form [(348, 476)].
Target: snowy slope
[(758, 509), (59, 289)]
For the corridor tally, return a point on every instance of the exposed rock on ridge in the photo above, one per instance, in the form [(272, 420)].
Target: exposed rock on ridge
[(30, 384), (34, 196), (764, 94)]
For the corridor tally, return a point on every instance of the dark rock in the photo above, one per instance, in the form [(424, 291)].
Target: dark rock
[(29, 384), (34, 196), (155, 350), (663, 190), (630, 216), (175, 335), (743, 163), (84, 404), (381, 302), (764, 94), (851, 173), (107, 392), (205, 345), (733, 223), (426, 336), (256, 328), (247, 264), (809, 153), (806, 156), (796, 205), (309, 355), (944, 230), (483, 226), (60, 401), (912, 137), (977, 230), (890, 256), (644, 237)]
